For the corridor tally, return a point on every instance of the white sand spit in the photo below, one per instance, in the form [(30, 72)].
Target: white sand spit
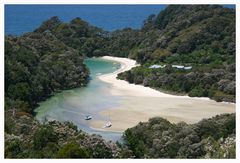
[(140, 103)]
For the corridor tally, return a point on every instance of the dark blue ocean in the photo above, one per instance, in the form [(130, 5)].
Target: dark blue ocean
[(25, 18)]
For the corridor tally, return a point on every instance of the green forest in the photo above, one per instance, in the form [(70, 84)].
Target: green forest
[(205, 41), (41, 63)]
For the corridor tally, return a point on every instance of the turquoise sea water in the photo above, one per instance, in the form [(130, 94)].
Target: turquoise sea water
[(73, 105)]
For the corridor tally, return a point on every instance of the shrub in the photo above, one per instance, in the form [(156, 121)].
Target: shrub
[(196, 92)]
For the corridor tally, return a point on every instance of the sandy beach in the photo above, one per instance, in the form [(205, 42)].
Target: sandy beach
[(139, 103)]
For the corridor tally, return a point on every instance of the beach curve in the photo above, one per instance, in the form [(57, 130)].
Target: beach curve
[(140, 103)]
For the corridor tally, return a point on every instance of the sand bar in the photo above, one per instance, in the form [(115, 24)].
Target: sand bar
[(140, 103)]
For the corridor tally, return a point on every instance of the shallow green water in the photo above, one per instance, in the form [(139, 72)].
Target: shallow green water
[(73, 105)]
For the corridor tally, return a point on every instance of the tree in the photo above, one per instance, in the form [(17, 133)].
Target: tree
[(13, 148), (43, 136), (21, 91), (160, 55), (196, 92), (72, 150)]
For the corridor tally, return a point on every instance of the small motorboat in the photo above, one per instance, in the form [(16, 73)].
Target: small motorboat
[(88, 117)]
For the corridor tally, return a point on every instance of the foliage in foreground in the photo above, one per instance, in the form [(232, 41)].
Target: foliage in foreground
[(158, 138), (29, 139), (50, 59)]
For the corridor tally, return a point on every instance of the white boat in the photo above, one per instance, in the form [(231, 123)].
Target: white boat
[(108, 124), (88, 117)]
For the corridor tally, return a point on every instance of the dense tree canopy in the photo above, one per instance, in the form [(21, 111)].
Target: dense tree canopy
[(50, 59), (158, 138), (201, 36), (37, 65)]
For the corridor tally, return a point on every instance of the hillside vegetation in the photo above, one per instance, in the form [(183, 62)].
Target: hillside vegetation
[(26, 138), (158, 138), (199, 36), (38, 64)]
